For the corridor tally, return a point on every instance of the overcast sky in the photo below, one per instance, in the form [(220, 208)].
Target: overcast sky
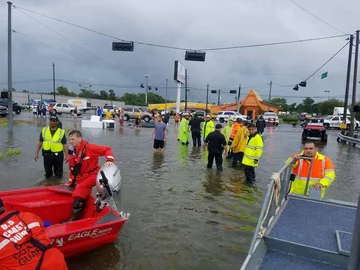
[(194, 24)]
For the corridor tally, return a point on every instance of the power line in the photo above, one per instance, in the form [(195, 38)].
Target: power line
[(282, 85), (312, 14), (181, 48), (77, 45)]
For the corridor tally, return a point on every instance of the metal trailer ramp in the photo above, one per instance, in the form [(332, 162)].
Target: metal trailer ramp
[(302, 233)]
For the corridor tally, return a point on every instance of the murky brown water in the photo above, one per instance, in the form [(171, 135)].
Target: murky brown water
[(182, 215)]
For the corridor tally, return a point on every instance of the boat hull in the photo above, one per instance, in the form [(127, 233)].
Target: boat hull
[(54, 205)]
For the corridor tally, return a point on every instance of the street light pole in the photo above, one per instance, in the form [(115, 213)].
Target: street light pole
[(238, 99), (348, 80), (353, 100), (147, 89), (54, 80), (10, 106), (207, 98), (328, 91), (166, 94), (269, 96)]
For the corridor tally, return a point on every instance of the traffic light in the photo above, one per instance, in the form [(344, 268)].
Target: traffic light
[(213, 91), (149, 87), (195, 56), (232, 91), (142, 85), (296, 88), (303, 84), (156, 88), (4, 94), (123, 46)]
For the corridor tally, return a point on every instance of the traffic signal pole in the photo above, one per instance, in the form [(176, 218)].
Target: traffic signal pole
[(347, 80), (10, 106), (353, 101), (238, 99)]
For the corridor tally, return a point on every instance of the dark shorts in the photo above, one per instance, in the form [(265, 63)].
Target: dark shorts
[(176, 121), (158, 144)]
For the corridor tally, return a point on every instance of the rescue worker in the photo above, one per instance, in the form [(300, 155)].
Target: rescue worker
[(83, 167), (252, 153), (238, 145), (53, 142), (260, 125), (227, 130), (195, 127), (322, 174), (184, 129), (24, 244), (207, 127), (108, 115), (216, 144), (234, 129)]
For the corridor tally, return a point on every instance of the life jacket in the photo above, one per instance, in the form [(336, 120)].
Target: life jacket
[(76, 159), (52, 143), (234, 129), (17, 244)]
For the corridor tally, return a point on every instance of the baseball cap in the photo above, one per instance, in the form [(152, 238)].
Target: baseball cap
[(218, 126), (54, 118)]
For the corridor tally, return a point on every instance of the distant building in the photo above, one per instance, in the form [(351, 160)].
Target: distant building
[(252, 105)]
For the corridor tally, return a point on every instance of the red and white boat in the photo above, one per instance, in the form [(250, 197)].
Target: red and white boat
[(99, 225)]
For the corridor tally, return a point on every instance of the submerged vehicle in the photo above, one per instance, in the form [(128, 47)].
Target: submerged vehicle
[(99, 225), (303, 231), (314, 129)]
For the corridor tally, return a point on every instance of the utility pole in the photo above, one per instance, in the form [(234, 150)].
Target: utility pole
[(186, 90), (54, 80), (166, 94), (347, 80), (219, 97), (269, 96), (207, 98), (353, 102), (10, 106), (238, 99), (147, 89)]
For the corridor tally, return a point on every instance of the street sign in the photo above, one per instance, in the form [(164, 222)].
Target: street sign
[(195, 56), (324, 75), (232, 91), (123, 46)]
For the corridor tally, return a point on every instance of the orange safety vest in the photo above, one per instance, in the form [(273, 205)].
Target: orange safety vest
[(177, 117), (234, 129), (322, 172), (23, 244)]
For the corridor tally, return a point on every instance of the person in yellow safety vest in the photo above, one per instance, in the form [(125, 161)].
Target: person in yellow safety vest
[(227, 130), (238, 145), (108, 115), (184, 129), (252, 153), (207, 127), (322, 173), (53, 142)]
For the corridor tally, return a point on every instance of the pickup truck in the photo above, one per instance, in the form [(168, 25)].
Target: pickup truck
[(334, 121), (271, 118), (66, 108), (16, 107)]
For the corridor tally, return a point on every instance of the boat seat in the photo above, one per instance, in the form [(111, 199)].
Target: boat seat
[(344, 240)]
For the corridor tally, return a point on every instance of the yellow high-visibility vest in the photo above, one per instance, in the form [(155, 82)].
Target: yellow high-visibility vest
[(52, 143)]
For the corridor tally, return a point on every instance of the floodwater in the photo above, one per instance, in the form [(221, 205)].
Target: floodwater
[(182, 215)]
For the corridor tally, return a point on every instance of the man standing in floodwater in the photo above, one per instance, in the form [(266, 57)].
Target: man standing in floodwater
[(159, 134), (216, 144)]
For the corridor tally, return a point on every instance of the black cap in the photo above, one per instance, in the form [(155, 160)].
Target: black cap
[(218, 126), (54, 118)]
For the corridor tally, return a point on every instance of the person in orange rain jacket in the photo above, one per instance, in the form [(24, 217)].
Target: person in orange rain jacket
[(83, 167), (24, 245), (177, 119)]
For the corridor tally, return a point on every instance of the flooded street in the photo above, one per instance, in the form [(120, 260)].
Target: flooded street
[(183, 216)]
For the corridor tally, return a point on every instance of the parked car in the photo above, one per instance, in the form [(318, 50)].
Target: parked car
[(334, 121), (223, 116), (132, 113), (3, 111), (16, 107), (200, 113), (65, 108), (314, 129), (271, 118)]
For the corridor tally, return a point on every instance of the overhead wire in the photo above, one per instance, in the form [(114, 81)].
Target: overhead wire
[(332, 57), (312, 14), (77, 45), (181, 48)]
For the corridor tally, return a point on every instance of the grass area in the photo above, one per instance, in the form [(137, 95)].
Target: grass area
[(10, 152)]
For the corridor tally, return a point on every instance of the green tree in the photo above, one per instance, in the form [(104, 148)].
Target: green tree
[(103, 94), (111, 95), (292, 107), (280, 102), (327, 107), (62, 90), (308, 104)]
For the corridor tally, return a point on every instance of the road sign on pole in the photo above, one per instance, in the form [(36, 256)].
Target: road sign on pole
[(123, 46), (324, 75)]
